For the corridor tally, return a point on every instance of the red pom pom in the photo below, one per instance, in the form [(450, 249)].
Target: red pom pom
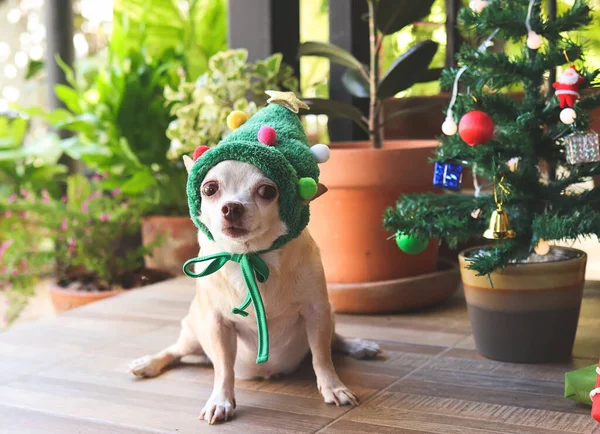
[(267, 135), (199, 151), (475, 128)]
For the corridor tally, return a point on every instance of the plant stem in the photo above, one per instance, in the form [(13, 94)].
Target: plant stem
[(374, 127)]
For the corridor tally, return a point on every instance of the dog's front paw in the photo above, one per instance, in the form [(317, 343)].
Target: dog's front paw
[(338, 395), (362, 349), (218, 408), (146, 367)]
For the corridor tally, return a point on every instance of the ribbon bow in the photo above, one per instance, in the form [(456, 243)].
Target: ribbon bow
[(253, 269)]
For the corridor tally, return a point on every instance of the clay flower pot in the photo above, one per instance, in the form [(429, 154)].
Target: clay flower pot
[(531, 313), (179, 242), (66, 299), (346, 222)]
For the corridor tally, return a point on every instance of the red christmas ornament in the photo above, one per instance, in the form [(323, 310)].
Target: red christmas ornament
[(567, 87), (595, 395), (475, 128), (199, 151), (267, 135)]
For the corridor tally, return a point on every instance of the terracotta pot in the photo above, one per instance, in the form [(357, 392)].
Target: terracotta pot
[(180, 242), (396, 295), (346, 222), (531, 313), (65, 299)]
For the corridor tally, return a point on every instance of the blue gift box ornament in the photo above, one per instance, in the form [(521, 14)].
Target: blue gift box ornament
[(447, 175)]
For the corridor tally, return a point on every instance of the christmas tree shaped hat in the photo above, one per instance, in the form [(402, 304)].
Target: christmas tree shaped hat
[(274, 141)]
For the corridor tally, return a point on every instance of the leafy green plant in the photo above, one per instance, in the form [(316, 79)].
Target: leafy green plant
[(362, 81), (231, 83), (197, 28), (80, 238)]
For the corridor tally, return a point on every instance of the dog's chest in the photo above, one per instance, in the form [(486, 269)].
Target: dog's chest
[(227, 289)]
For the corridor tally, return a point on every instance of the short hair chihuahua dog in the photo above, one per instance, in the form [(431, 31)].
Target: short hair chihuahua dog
[(240, 208)]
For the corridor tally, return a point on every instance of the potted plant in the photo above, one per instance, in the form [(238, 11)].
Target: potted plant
[(523, 295), (365, 270), (116, 107), (79, 236)]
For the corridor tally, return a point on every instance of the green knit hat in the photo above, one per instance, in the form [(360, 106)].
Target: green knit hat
[(274, 141)]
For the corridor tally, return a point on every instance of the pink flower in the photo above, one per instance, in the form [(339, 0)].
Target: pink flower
[(105, 175), (4, 246), (64, 225), (25, 214), (84, 207), (96, 177), (45, 196), (72, 245), (7, 214), (15, 273), (95, 195), (116, 192), (24, 193), (64, 199), (104, 217), (11, 198), (23, 266)]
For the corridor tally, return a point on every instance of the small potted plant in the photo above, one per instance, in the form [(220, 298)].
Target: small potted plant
[(365, 270), (81, 236), (523, 295)]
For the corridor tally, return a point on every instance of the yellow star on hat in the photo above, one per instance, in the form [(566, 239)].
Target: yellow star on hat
[(286, 99)]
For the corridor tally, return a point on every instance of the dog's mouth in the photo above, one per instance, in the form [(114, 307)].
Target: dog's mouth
[(235, 231)]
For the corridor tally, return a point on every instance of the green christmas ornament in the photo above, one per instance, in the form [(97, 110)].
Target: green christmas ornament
[(307, 187), (410, 244)]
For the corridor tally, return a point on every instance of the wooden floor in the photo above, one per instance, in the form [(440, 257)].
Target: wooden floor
[(69, 375)]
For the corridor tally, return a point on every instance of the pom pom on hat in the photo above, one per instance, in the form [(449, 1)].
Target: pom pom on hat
[(199, 151), (308, 188), (236, 119), (321, 152), (267, 135)]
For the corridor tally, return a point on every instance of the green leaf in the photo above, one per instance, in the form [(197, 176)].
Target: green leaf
[(336, 109), (431, 74), (406, 69), (139, 183), (355, 83), (393, 15), (34, 67), (69, 97), (331, 52), (69, 73)]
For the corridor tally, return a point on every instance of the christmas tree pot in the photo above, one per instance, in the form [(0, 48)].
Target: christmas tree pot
[(177, 242), (530, 314), (346, 221)]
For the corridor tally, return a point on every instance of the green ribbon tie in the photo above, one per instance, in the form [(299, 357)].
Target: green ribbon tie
[(253, 269)]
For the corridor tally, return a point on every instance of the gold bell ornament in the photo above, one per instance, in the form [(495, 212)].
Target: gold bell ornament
[(499, 227)]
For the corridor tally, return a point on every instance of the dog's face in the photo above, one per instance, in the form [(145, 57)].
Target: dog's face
[(240, 207)]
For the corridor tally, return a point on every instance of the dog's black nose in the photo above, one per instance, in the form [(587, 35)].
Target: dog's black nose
[(232, 211)]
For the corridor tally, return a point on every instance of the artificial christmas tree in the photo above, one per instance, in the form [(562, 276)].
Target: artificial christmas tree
[(521, 309)]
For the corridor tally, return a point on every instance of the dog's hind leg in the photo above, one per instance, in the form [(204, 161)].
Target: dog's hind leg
[(151, 366), (356, 348)]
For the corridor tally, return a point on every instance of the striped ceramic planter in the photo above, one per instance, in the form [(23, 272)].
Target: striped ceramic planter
[(531, 313)]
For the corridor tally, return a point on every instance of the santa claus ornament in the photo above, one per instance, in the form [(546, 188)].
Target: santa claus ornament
[(476, 127), (567, 92)]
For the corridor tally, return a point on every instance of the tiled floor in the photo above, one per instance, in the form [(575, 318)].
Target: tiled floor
[(68, 375)]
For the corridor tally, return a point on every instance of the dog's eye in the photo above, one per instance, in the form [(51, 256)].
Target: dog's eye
[(267, 191), (210, 188)]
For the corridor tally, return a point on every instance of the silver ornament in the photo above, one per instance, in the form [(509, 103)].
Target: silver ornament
[(582, 148)]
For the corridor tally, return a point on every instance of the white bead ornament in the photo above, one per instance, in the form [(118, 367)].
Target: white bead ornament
[(449, 127), (534, 41), (321, 152), (479, 5), (568, 116)]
